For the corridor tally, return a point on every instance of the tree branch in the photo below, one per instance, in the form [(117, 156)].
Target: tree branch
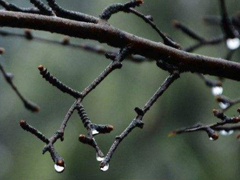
[(65, 41), (9, 78), (138, 120), (106, 33)]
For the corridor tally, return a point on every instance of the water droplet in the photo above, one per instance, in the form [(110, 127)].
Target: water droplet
[(223, 105), (94, 132), (233, 44), (99, 158), (58, 168), (223, 132), (105, 168), (217, 90), (226, 133), (211, 139)]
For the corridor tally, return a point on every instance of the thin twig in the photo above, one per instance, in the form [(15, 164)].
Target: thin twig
[(149, 21), (226, 24), (119, 7), (115, 64), (14, 7), (137, 121), (67, 43), (57, 159), (227, 103), (201, 40), (210, 129), (61, 12), (42, 7), (58, 84), (9, 79), (60, 133)]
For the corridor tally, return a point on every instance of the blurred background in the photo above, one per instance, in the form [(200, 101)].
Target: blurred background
[(147, 154)]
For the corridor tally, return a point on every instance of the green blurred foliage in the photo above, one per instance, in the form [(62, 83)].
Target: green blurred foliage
[(146, 154)]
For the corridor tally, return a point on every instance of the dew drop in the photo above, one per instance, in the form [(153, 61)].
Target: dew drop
[(58, 168), (105, 168), (217, 90), (223, 105), (94, 132), (233, 44), (226, 133), (99, 158), (230, 132), (211, 139)]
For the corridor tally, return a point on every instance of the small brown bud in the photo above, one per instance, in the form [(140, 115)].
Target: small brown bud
[(22, 123), (171, 134), (2, 50), (175, 23), (215, 136), (215, 111), (236, 119), (28, 34), (65, 40), (110, 128), (60, 162), (37, 109), (140, 1), (82, 137), (40, 67)]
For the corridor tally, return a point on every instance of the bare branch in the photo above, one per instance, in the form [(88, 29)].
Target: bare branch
[(14, 7), (61, 12), (55, 82), (117, 38), (67, 43), (210, 129), (116, 64), (118, 7), (226, 23), (137, 121), (57, 159), (42, 7), (9, 79)]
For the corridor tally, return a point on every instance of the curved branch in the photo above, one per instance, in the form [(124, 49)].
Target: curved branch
[(106, 33)]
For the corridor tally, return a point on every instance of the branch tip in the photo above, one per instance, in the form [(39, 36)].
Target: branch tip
[(23, 123), (41, 68), (236, 119), (2, 50), (28, 34), (66, 40), (60, 162), (175, 23), (82, 138), (211, 133), (215, 136), (110, 128), (173, 133)]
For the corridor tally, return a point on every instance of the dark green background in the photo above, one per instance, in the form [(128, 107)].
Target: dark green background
[(146, 154)]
